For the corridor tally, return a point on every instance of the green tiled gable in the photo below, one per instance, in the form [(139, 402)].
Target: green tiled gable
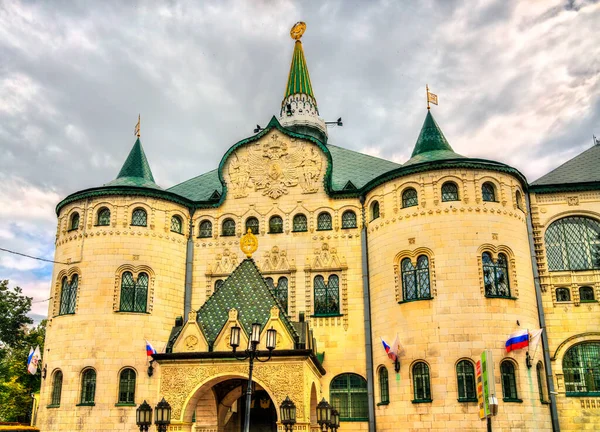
[(200, 188), (582, 169), (244, 290), (298, 79), (136, 170)]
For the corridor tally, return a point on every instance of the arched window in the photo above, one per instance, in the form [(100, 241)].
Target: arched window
[(563, 295), (348, 395), (375, 210), (573, 243), (300, 223), (495, 275), (218, 283), (324, 221), (581, 368), (134, 294), (349, 219), (68, 295), (139, 217), (74, 224), (509, 381), (280, 291), (127, 386), (415, 280), (465, 376), (409, 198), (421, 384), (176, 224), (252, 225), (539, 370), (449, 191), (205, 229), (88, 387), (327, 296), (56, 388), (384, 388), (586, 293), (228, 228), (519, 200), (275, 225), (103, 217), (488, 192)]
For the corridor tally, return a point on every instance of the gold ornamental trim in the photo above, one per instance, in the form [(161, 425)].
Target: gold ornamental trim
[(249, 243)]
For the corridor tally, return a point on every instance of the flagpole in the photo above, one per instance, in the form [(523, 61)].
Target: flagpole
[(427, 95)]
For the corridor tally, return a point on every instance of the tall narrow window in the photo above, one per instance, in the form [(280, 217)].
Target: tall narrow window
[(449, 191), (421, 384), (348, 395), (56, 388), (280, 291), (415, 280), (375, 210), (409, 198), (139, 217), (134, 294), (563, 295), (539, 369), (300, 223), (252, 225), (327, 296), (127, 386), (324, 221), (349, 219), (495, 275), (228, 228), (586, 293), (176, 224), (509, 381), (519, 200), (581, 368), (205, 229), (88, 387), (275, 225), (103, 217), (68, 295), (465, 376), (488, 192), (573, 243), (384, 388), (74, 224)]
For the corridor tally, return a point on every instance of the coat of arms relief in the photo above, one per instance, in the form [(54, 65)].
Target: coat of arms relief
[(273, 167)]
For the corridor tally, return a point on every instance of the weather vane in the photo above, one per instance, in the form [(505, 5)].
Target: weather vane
[(298, 30), (137, 126)]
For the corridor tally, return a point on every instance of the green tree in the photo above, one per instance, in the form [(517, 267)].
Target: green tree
[(14, 307)]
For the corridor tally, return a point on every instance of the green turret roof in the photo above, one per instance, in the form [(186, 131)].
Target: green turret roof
[(298, 80), (136, 170)]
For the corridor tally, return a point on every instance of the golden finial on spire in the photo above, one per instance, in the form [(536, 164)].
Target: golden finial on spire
[(298, 30), (137, 126), (249, 243)]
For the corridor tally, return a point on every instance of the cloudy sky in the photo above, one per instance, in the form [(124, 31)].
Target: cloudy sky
[(518, 82)]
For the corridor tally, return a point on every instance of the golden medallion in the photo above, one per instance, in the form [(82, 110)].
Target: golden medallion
[(298, 30), (249, 243)]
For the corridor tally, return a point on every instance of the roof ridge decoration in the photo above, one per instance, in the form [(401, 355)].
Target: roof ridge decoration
[(136, 169)]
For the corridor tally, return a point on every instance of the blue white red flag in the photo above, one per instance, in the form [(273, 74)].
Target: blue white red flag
[(517, 340), (149, 349), (33, 359), (391, 351), (386, 347)]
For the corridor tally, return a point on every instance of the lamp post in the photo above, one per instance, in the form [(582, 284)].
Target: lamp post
[(288, 414), (335, 420), (163, 415), (253, 354), (324, 414), (143, 416)]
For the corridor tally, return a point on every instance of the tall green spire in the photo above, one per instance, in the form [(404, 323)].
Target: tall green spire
[(431, 145), (136, 170), (298, 79)]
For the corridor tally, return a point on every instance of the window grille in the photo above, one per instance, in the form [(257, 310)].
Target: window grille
[(415, 281), (134, 294), (384, 390), (280, 291), (88, 386), (68, 295), (539, 370), (581, 368), (586, 293), (563, 295), (449, 191), (375, 210), (573, 243), (465, 375), (205, 229), (74, 221), (228, 228), (488, 192), (348, 394), (57, 388), (409, 198), (324, 221), (127, 386), (176, 224), (349, 219), (139, 217), (509, 380), (327, 295), (103, 217), (300, 223), (421, 384), (495, 275), (275, 225), (252, 224), (218, 284)]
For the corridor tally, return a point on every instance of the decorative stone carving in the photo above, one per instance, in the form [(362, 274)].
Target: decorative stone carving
[(191, 342), (275, 260), (573, 200)]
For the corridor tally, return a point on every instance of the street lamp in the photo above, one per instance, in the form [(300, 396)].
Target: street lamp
[(253, 354), (324, 414), (143, 416), (335, 420), (288, 414), (163, 415)]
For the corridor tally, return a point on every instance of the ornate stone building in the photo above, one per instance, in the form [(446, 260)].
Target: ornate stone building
[(445, 251)]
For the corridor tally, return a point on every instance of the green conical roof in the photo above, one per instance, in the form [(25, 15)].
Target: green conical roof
[(298, 80), (136, 170)]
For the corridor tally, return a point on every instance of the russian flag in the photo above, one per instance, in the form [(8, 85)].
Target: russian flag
[(149, 349), (517, 340), (391, 354)]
